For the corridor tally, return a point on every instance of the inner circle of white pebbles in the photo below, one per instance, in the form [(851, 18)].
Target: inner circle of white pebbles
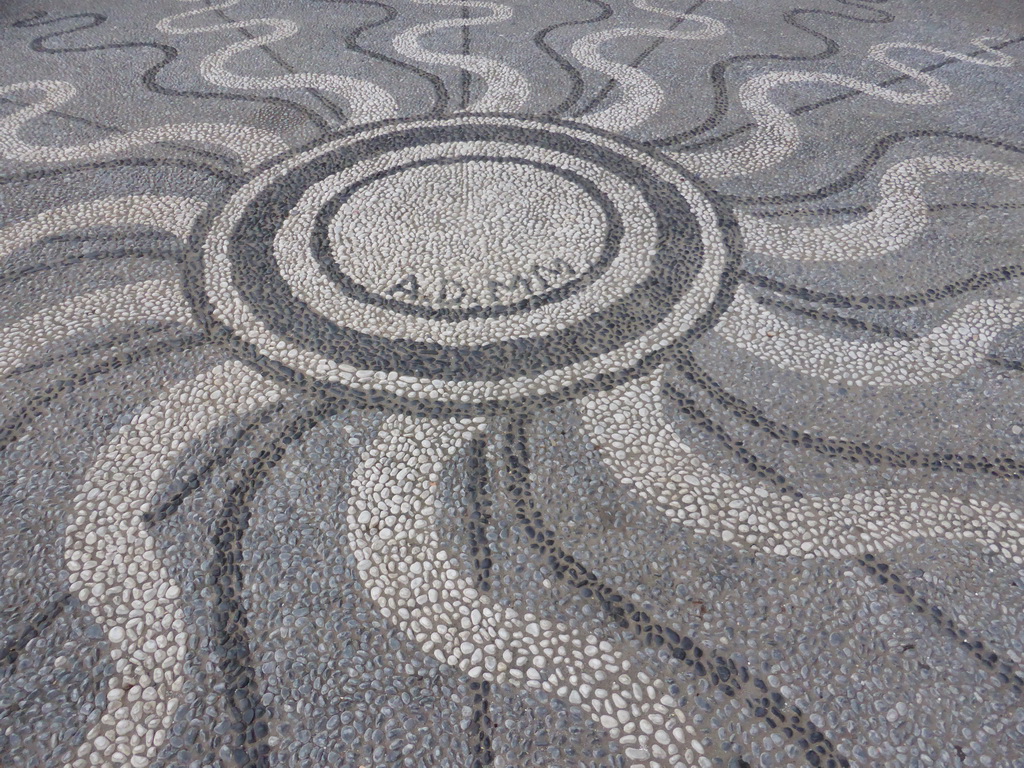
[(459, 226)]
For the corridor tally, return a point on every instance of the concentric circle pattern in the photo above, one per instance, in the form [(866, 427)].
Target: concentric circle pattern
[(392, 259)]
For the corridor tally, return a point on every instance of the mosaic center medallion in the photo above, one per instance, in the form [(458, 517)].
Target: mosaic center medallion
[(471, 259), (450, 384)]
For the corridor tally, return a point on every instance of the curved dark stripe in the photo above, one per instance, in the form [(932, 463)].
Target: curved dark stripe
[(390, 14), (225, 158), (181, 147), (28, 22), (688, 407), (571, 71), (960, 287), (99, 19), (73, 259), (838, 448), (120, 164), (479, 509), (847, 93), (13, 428), (249, 748), (33, 628), (170, 53), (607, 88), (886, 576), (479, 513), (180, 489), (107, 342), (861, 325), (64, 115), (860, 210), (860, 171), (834, 317), (333, 108), (465, 76), (731, 679), (1002, 362), (719, 70), (851, 93), (480, 747), (968, 206)]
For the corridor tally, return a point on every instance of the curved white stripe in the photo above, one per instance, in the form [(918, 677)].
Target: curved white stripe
[(167, 212), (506, 90), (900, 217), (401, 559), (777, 134), (251, 145), (640, 447), (115, 564), (946, 352), (366, 101), (151, 300), (641, 95)]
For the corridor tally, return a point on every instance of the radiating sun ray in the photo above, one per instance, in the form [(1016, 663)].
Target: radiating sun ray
[(901, 215), (640, 446), (944, 353), (251, 145), (115, 566)]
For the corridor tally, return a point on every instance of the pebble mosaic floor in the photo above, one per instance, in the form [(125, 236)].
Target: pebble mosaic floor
[(569, 384)]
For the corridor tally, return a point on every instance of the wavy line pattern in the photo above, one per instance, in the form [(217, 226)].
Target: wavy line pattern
[(575, 78), (861, 169), (251, 145), (423, 460), (836, 318), (967, 284), (609, 86), (169, 213), (898, 219), (718, 72), (505, 88), (429, 600), (694, 659), (390, 14), (777, 134), (114, 358), (945, 353), (149, 81), (835, 447), (249, 716), (642, 97), (367, 101), (110, 553)]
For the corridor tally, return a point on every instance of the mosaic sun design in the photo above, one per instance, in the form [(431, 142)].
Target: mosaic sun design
[(503, 384)]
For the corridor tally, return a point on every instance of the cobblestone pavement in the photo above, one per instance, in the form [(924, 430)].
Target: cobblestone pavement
[(575, 383)]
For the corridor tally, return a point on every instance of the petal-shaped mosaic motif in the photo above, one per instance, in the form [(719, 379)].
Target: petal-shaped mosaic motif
[(448, 383)]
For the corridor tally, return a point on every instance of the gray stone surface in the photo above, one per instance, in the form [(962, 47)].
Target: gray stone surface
[(580, 383)]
